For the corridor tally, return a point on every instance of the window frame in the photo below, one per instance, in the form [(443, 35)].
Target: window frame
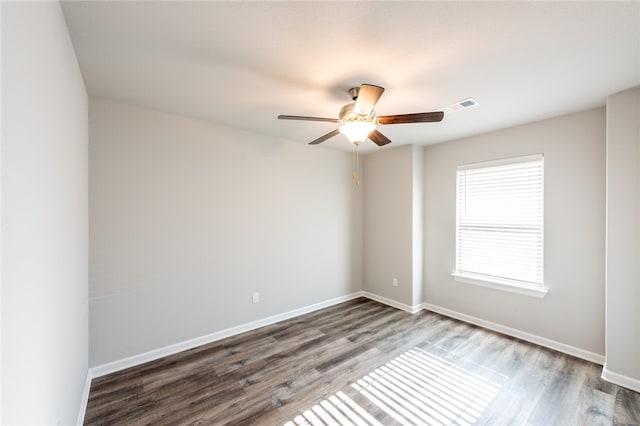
[(485, 280)]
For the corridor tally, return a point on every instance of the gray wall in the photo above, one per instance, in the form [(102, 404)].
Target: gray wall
[(389, 188), (189, 218), (623, 239), (572, 313), (44, 218)]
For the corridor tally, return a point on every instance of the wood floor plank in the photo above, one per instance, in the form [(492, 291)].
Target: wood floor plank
[(519, 395), (204, 396), (362, 362), (562, 390), (627, 407), (595, 407)]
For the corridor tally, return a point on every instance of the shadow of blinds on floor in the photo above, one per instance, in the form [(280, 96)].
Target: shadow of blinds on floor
[(416, 387)]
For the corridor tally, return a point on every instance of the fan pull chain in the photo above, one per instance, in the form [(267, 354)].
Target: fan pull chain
[(354, 174)]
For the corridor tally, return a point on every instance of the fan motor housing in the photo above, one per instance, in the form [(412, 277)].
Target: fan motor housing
[(348, 115)]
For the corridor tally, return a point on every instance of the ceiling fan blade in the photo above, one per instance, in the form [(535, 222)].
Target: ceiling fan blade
[(378, 138), (367, 98), (325, 137), (299, 117), (421, 117)]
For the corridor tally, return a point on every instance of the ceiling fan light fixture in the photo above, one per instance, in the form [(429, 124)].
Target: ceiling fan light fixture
[(359, 121), (357, 131)]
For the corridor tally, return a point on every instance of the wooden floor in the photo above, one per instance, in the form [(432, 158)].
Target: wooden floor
[(363, 363)]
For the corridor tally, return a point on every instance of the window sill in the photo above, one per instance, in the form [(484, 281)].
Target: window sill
[(500, 285)]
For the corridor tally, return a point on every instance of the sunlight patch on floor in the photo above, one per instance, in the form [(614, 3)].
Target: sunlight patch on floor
[(338, 409), (416, 387)]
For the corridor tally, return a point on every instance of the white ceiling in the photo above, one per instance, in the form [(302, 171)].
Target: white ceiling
[(241, 64)]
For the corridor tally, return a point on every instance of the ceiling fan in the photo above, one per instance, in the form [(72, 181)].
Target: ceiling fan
[(358, 120)]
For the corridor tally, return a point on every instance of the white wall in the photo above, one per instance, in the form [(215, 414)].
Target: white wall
[(417, 232), (44, 218), (572, 313), (623, 239), (390, 216), (188, 218), (1, 132)]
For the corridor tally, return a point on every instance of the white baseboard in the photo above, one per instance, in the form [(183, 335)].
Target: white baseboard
[(132, 361), (620, 379), (85, 399), (538, 340), (392, 303)]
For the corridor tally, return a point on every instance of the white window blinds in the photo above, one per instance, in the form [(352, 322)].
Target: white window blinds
[(499, 221)]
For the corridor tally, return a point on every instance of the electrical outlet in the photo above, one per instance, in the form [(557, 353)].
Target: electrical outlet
[(256, 297), (395, 282)]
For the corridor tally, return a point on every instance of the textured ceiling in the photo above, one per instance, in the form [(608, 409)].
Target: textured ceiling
[(241, 64)]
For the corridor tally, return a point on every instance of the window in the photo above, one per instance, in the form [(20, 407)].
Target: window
[(499, 224)]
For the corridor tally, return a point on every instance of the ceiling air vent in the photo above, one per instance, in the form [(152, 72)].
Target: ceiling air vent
[(460, 105)]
